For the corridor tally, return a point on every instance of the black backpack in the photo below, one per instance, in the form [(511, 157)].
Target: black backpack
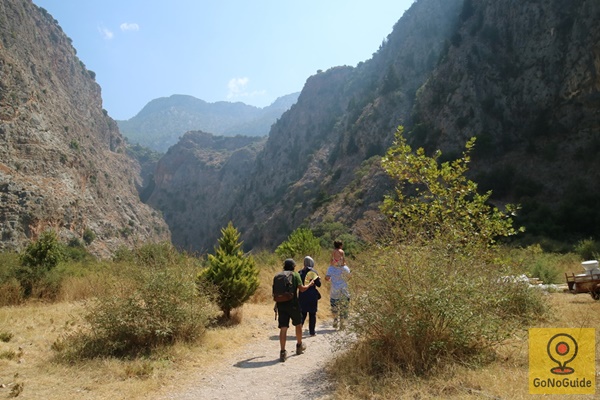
[(283, 286)]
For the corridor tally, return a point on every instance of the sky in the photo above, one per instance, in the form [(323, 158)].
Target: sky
[(218, 50)]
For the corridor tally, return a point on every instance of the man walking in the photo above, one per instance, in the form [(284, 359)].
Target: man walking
[(290, 309)]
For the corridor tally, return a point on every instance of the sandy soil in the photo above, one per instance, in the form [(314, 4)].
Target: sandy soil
[(255, 372)]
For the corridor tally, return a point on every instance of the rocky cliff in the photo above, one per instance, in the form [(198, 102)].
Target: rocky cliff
[(63, 163), (197, 183), (315, 163), (523, 77), (311, 166)]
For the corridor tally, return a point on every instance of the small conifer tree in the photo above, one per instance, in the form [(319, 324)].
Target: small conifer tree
[(234, 274)]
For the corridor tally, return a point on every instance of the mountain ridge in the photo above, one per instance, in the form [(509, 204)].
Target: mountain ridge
[(522, 78), (343, 116), (160, 123)]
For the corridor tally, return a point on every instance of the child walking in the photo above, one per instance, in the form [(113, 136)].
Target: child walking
[(340, 295)]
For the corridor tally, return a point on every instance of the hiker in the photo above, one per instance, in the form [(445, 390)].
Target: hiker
[(289, 309), (309, 299), (336, 274)]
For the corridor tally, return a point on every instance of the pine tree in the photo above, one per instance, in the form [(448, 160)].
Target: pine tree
[(234, 274)]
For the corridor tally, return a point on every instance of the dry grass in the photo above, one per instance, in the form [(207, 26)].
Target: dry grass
[(28, 358), (36, 326), (506, 378)]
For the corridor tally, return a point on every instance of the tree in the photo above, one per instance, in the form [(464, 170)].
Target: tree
[(302, 242), (233, 273), (434, 291), (38, 259), (434, 200)]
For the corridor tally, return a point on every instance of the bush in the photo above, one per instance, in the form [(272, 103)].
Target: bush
[(46, 252), (588, 249), (88, 236), (75, 251), (37, 262), (423, 306), (300, 243), (5, 336), (546, 273), (149, 305), (234, 274), (435, 199), (328, 231)]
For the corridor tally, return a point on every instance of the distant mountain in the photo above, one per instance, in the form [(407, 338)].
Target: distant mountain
[(163, 121)]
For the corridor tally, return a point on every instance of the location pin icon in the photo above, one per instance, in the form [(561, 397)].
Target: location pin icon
[(562, 349)]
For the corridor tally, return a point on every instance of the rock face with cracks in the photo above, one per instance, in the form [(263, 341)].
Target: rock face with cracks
[(63, 163)]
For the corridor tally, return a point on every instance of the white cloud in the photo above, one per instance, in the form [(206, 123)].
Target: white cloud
[(129, 26), (237, 86), (106, 33), (237, 89)]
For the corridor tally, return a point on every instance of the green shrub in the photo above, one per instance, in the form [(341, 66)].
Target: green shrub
[(157, 255), (541, 265), (75, 251), (588, 249), (537, 262), (328, 231), (546, 273), (422, 306), (302, 242), (234, 274), (435, 199), (45, 252), (5, 336), (147, 306), (88, 236), (37, 262)]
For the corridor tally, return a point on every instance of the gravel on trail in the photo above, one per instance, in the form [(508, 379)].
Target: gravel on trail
[(255, 372)]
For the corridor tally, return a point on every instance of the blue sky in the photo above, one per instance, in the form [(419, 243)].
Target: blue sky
[(218, 50)]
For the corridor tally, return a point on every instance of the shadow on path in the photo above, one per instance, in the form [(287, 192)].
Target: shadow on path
[(304, 335), (252, 363)]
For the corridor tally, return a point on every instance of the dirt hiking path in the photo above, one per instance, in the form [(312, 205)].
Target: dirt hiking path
[(255, 372)]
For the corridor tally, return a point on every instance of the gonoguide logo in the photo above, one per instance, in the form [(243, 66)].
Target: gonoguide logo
[(562, 361)]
